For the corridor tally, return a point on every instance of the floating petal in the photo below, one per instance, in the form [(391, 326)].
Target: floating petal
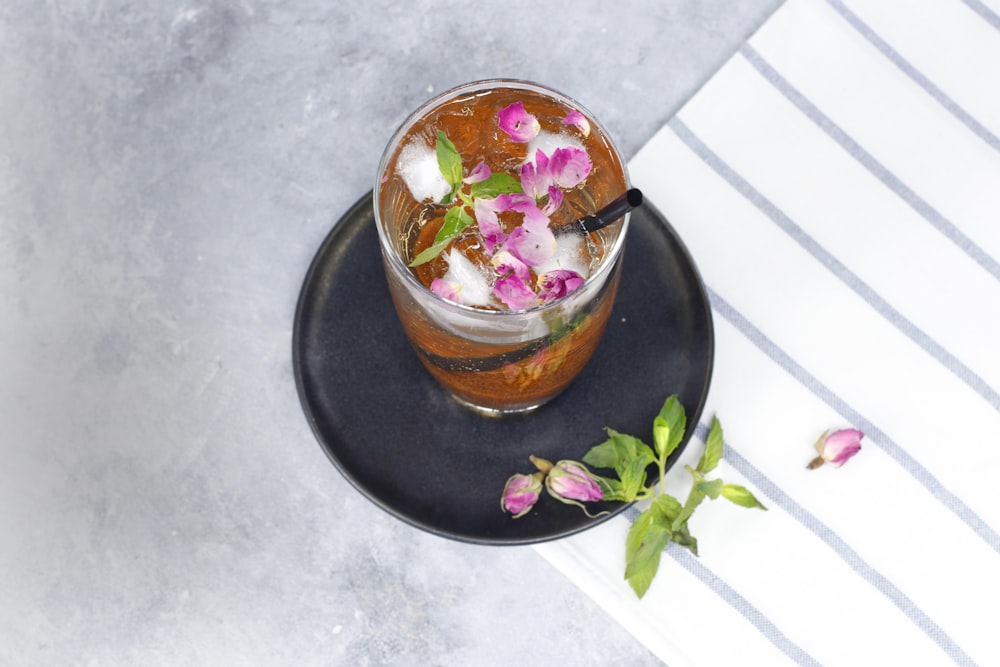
[(479, 174), (506, 263), (515, 293), (535, 176), (533, 246), (485, 211), (569, 166), (579, 120), (447, 289), (554, 202), (557, 284), (519, 125)]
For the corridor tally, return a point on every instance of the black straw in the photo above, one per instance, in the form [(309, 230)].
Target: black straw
[(611, 212)]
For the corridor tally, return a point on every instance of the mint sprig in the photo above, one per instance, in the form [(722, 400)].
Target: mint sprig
[(666, 518), (457, 218)]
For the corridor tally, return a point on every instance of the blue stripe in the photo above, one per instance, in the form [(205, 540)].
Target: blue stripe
[(985, 12), (881, 439), (953, 107), (835, 266), (732, 597), (879, 581), (926, 211)]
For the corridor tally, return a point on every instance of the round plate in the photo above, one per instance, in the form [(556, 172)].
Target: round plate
[(403, 442)]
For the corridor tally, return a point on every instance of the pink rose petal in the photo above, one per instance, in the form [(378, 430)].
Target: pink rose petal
[(447, 289), (535, 176), (533, 246), (519, 125), (557, 284), (513, 292), (554, 202), (579, 120), (479, 174), (485, 211), (506, 263), (569, 166)]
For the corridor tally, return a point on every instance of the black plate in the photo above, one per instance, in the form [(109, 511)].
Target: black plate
[(399, 438)]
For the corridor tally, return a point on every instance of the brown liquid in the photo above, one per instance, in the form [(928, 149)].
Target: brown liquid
[(527, 373)]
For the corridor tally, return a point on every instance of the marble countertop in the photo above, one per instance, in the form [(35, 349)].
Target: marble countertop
[(167, 171)]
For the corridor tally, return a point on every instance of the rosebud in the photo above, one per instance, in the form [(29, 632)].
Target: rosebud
[(521, 493), (570, 482), (837, 447)]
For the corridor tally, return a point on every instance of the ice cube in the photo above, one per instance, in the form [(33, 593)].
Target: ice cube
[(418, 166), (570, 255), (475, 284), (548, 142)]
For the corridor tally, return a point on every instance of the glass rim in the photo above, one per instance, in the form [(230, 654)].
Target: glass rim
[(613, 255)]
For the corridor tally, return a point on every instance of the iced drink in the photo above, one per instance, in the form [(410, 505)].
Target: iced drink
[(501, 293)]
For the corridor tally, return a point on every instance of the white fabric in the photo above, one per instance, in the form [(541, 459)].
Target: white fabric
[(838, 184)]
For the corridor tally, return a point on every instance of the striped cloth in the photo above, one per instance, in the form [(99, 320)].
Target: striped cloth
[(838, 184)]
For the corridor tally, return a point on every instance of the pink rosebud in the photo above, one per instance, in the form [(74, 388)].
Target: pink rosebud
[(837, 448), (570, 482), (579, 120), (479, 174), (521, 493), (519, 125), (569, 166), (515, 293), (556, 284)]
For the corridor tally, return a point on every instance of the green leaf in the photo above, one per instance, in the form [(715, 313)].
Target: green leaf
[(604, 455), (612, 488), (695, 496), (643, 546), (668, 507), (713, 448), (672, 415), (739, 495), (429, 253), (455, 221), (711, 488), (500, 183), (684, 538), (448, 159)]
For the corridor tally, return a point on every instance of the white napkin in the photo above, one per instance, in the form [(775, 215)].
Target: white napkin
[(838, 184)]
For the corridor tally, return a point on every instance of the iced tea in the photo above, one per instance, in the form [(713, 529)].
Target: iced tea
[(502, 295)]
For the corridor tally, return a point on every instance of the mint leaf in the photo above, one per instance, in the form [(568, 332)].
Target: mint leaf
[(712, 488), (739, 495), (429, 253), (682, 537), (455, 221), (449, 161), (646, 539), (713, 448), (604, 455), (673, 417), (695, 496), (497, 184), (668, 507)]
